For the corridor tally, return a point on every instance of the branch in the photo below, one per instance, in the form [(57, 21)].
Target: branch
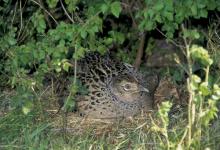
[(45, 11), (45, 14), (140, 52), (65, 11)]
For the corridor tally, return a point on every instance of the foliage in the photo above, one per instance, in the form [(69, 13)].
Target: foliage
[(202, 108), (38, 38)]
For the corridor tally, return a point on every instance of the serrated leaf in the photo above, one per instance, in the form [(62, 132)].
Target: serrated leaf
[(116, 9)]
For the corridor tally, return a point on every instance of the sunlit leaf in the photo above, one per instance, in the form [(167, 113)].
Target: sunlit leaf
[(116, 8)]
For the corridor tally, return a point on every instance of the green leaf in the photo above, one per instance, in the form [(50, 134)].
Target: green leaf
[(159, 6), (201, 55), (52, 3), (169, 16), (58, 69), (193, 34), (83, 33), (102, 49), (194, 9), (66, 65), (204, 88), (195, 82), (104, 8), (108, 41), (71, 5), (116, 9), (27, 107), (12, 41), (203, 13), (158, 18), (80, 52), (26, 110), (196, 79), (69, 103)]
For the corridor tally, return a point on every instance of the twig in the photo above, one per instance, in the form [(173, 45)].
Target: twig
[(131, 15), (14, 13), (75, 71), (45, 11), (45, 14), (23, 36), (172, 41), (191, 116), (140, 52), (65, 11), (21, 20)]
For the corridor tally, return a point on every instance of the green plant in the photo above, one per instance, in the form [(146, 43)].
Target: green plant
[(202, 101), (38, 38)]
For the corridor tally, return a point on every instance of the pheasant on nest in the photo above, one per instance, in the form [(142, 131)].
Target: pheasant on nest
[(115, 89)]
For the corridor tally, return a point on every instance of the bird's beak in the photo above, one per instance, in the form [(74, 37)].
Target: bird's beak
[(143, 89)]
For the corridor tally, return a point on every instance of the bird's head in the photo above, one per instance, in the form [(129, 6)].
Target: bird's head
[(127, 88)]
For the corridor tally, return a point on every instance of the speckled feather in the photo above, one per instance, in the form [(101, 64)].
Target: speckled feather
[(98, 75)]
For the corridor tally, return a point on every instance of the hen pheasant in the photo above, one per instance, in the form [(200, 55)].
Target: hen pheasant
[(115, 89)]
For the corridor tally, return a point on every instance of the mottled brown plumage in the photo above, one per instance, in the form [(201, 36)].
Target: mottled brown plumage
[(115, 89)]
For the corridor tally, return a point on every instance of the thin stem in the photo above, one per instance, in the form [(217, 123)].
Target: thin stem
[(21, 20), (65, 11), (14, 13), (45, 11), (189, 80), (172, 41), (207, 74), (75, 71), (140, 52)]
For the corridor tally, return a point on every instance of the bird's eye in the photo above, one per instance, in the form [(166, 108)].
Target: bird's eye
[(127, 87)]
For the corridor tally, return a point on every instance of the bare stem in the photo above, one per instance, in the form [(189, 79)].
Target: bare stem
[(45, 11), (191, 116), (65, 11), (140, 52)]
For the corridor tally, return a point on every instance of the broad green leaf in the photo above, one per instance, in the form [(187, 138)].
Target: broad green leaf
[(104, 8), (66, 65), (52, 3), (116, 8), (108, 41), (201, 55), (71, 5), (83, 33), (169, 16), (158, 6), (194, 9), (204, 88), (26, 110), (203, 13), (196, 79)]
